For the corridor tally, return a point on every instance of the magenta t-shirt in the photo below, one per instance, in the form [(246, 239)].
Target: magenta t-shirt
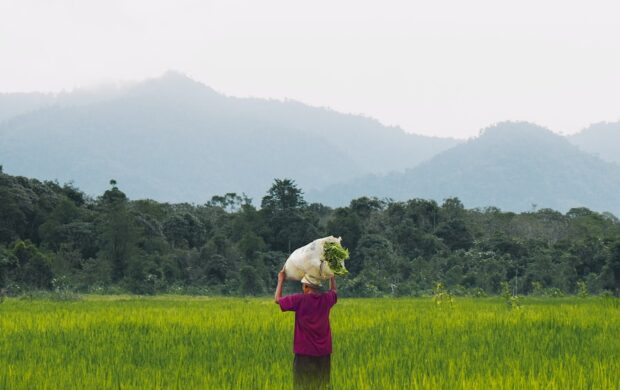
[(313, 336)]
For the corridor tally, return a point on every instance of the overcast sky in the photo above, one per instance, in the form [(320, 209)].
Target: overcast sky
[(445, 68)]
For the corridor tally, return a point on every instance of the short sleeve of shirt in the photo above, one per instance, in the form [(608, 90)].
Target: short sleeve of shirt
[(290, 302), (332, 298)]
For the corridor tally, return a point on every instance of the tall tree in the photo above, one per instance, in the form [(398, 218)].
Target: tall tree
[(117, 231), (283, 195), (290, 223)]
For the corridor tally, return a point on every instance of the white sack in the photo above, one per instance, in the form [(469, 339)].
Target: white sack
[(307, 261)]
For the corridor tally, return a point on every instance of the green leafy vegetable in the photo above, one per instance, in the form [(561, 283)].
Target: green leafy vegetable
[(335, 255)]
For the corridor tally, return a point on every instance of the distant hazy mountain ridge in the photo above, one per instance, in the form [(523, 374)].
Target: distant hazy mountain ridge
[(174, 139), (513, 165), (601, 139), (16, 104)]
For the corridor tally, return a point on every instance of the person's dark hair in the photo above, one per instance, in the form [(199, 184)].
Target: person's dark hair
[(312, 286)]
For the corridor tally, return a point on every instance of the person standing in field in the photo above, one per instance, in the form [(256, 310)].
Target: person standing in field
[(313, 339)]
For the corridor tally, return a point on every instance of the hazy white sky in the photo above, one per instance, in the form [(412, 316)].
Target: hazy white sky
[(438, 67)]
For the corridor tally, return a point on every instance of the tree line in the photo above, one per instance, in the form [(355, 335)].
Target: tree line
[(53, 236)]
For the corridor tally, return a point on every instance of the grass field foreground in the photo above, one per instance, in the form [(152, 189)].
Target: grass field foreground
[(234, 343)]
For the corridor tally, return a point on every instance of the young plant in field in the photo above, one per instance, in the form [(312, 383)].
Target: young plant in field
[(441, 296), (582, 289), (512, 301), (505, 290), (515, 302)]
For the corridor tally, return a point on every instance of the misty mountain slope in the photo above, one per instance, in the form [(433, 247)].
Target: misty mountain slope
[(174, 139), (601, 139), (513, 165), (375, 148), (16, 104), (161, 147), (372, 146)]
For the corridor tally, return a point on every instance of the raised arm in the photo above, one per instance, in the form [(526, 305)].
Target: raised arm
[(281, 277), (332, 284)]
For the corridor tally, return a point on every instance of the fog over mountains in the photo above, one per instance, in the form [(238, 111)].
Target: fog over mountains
[(173, 139)]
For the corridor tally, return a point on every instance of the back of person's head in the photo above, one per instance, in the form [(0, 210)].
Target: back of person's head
[(310, 288), (312, 283)]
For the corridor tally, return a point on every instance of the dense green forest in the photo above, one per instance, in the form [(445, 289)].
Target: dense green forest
[(55, 237)]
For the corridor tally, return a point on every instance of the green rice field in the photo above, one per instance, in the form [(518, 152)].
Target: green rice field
[(173, 342)]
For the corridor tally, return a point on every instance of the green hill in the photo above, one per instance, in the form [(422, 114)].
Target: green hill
[(515, 166)]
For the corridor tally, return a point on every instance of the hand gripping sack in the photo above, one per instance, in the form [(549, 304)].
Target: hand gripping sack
[(307, 260)]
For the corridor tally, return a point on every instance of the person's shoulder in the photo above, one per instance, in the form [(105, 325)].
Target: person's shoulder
[(290, 302), (296, 297)]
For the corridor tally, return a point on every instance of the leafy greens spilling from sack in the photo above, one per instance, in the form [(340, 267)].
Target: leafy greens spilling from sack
[(335, 255)]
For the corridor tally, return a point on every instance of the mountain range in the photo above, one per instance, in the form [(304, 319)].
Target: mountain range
[(601, 139), (514, 166), (174, 139)]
